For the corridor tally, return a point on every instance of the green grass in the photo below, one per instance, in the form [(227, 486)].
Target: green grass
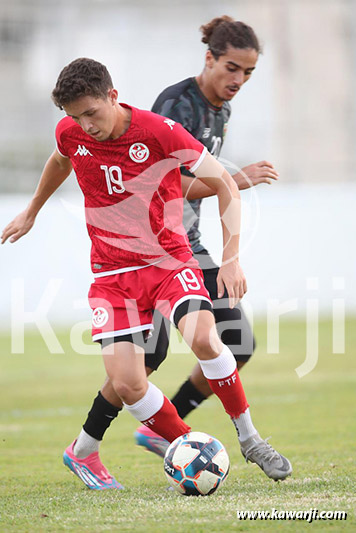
[(44, 400)]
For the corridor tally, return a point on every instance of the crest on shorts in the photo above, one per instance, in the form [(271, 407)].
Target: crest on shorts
[(139, 152), (100, 317)]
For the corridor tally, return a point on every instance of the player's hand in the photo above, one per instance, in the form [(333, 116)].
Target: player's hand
[(18, 227), (262, 172), (232, 277)]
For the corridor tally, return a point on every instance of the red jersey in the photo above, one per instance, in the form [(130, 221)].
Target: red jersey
[(132, 189)]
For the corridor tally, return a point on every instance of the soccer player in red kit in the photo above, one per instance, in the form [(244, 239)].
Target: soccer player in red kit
[(127, 165)]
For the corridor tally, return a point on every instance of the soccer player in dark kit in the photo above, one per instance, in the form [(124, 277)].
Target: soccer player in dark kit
[(202, 106)]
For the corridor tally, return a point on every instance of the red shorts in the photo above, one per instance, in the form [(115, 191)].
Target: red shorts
[(124, 303)]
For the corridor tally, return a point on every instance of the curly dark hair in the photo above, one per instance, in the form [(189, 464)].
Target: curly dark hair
[(82, 77), (223, 31)]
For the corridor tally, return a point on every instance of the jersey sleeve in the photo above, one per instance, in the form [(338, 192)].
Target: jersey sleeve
[(176, 109), (60, 137), (177, 142), (180, 110)]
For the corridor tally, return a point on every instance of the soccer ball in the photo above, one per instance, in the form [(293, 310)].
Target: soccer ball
[(196, 464)]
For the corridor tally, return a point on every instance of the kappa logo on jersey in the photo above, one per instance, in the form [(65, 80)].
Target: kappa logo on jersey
[(139, 152), (100, 317), (82, 150), (169, 122)]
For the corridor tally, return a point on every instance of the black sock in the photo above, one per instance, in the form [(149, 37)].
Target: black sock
[(187, 399), (100, 416)]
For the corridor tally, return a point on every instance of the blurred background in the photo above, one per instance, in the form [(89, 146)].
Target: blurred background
[(297, 111)]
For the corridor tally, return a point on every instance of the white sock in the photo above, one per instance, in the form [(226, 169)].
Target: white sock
[(148, 405), (244, 426), (221, 366), (85, 445)]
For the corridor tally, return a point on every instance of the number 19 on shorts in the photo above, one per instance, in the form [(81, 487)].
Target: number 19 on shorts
[(188, 280)]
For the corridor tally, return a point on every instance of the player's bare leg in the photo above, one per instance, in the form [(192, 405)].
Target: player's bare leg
[(124, 364), (127, 384), (82, 456), (108, 391), (125, 369)]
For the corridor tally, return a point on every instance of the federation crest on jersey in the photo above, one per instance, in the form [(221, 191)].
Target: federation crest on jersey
[(139, 152), (100, 317)]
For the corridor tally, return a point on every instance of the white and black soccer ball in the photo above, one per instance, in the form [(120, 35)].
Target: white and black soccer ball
[(196, 464)]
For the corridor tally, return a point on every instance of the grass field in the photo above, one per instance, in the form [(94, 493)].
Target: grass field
[(44, 400)]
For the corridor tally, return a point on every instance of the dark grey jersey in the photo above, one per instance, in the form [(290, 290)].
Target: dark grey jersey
[(185, 103)]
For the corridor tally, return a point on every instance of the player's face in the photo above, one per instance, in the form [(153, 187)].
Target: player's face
[(96, 116), (229, 72)]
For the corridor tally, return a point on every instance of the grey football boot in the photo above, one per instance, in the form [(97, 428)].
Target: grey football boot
[(257, 450)]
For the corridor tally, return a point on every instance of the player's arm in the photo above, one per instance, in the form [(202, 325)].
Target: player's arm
[(250, 176), (193, 189), (212, 174), (55, 171)]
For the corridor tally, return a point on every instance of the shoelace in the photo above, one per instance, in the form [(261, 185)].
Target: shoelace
[(264, 451)]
